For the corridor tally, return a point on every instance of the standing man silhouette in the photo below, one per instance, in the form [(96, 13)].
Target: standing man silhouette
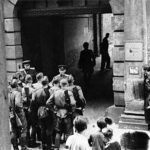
[(87, 62), (104, 52)]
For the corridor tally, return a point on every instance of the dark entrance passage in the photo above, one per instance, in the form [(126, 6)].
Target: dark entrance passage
[(55, 39), (99, 94), (52, 40), (42, 42)]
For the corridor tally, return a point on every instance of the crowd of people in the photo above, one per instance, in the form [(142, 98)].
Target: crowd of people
[(52, 112), (41, 110), (47, 111)]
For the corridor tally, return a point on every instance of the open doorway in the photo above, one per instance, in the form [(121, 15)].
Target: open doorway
[(52, 40), (57, 39), (42, 42)]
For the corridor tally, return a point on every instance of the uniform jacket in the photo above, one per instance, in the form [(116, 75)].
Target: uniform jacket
[(39, 98), (17, 97), (16, 105), (57, 102)]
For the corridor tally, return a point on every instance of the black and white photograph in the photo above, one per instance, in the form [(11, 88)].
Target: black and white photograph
[(74, 74)]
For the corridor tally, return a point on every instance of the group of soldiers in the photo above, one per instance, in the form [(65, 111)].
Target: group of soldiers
[(41, 110)]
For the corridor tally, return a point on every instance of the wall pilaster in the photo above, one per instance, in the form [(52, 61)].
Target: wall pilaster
[(12, 27), (4, 115), (135, 37)]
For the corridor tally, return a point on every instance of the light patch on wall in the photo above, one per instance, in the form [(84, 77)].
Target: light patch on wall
[(88, 34), (134, 51), (86, 30), (133, 70)]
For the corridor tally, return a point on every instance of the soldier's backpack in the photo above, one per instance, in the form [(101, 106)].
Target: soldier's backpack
[(43, 111), (79, 102)]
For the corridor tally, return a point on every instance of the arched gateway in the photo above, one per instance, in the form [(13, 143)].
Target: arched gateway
[(130, 51)]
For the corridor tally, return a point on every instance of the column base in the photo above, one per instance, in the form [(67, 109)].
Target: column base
[(114, 112), (133, 120)]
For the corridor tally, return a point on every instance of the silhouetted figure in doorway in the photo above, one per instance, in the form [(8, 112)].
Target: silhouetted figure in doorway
[(104, 52), (87, 62)]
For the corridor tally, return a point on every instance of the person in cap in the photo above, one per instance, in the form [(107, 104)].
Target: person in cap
[(27, 69), (62, 73)]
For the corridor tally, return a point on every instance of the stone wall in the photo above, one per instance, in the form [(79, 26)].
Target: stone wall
[(135, 35), (77, 30), (148, 27), (118, 51), (13, 46)]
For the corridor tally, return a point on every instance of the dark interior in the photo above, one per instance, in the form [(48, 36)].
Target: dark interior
[(42, 42)]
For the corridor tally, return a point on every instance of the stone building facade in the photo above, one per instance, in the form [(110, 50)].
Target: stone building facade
[(130, 34)]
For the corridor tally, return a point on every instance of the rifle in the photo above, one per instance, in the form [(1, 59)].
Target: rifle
[(27, 103), (68, 102)]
